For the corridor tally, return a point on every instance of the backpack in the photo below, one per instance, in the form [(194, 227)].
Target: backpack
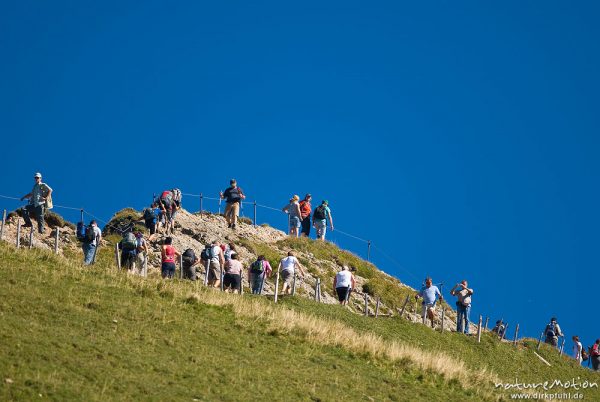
[(189, 256), (80, 231), (148, 214), (320, 212), (167, 198), (90, 234), (177, 195), (207, 253), (257, 267), (550, 330), (129, 241)]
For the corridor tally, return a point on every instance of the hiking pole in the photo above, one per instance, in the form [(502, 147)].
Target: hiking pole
[(18, 232), (516, 334), (56, 240), (479, 329), (369, 251), (366, 304), (562, 347), (3, 223), (540, 341), (81, 215), (276, 285), (31, 237), (118, 256)]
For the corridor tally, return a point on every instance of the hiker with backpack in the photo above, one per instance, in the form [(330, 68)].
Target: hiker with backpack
[(321, 215), (499, 328), (168, 255), (343, 283), (257, 273), (175, 207), (213, 259), (190, 261), (287, 267), (229, 250), (40, 199), (429, 293), (128, 247), (293, 210), (90, 237), (305, 211), (150, 218), (463, 306), (233, 196), (595, 355), (552, 332), (232, 280), (141, 251), (577, 349), (166, 203)]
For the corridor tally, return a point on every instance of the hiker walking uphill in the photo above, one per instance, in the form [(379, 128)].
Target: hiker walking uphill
[(128, 247), (429, 293), (168, 254), (190, 261), (463, 306), (40, 199), (149, 218), (257, 273), (343, 283), (166, 204), (499, 328), (293, 210), (233, 196), (287, 267), (141, 250), (321, 215), (89, 242), (232, 280), (305, 210), (212, 255), (552, 332), (595, 355)]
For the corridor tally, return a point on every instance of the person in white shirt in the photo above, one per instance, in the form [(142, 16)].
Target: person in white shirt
[(577, 347), (288, 266), (343, 283), (142, 252)]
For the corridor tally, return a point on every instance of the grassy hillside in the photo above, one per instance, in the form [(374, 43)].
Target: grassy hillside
[(73, 333)]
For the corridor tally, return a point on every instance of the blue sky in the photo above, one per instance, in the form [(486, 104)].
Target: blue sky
[(460, 138)]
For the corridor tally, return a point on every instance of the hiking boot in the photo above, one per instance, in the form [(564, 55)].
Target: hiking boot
[(233, 226)]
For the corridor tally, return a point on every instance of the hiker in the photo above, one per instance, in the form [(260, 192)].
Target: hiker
[(40, 199), (175, 207), (128, 247), (141, 252), (429, 293), (288, 266), (259, 270), (305, 210), (190, 261), (595, 355), (229, 250), (168, 254), (499, 328), (214, 258), (90, 241), (293, 210), (577, 349), (552, 332), (463, 306), (165, 203), (321, 215), (233, 196), (232, 280), (150, 218), (343, 283)]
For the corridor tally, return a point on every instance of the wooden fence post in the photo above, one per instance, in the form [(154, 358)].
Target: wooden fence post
[(443, 316), (377, 307), (56, 240), (31, 237), (366, 304), (479, 329), (516, 335), (487, 320), (118, 256), (504, 332), (146, 266), (404, 305), (3, 223), (294, 284), (317, 289), (18, 232), (241, 282), (540, 341), (201, 208), (562, 346), (276, 285), (254, 213), (222, 276)]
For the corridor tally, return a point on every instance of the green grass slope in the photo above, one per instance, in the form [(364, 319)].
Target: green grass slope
[(74, 333)]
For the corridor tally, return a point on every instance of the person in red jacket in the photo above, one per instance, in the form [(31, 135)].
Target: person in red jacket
[(595, 355), (305, 211)]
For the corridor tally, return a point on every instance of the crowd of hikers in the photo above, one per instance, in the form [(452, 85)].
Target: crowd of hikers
[(223, 268)]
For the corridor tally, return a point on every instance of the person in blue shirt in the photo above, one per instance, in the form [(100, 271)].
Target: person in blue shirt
[(429, 293)]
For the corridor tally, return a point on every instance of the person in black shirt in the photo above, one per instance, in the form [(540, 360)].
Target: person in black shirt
[(233, 196)]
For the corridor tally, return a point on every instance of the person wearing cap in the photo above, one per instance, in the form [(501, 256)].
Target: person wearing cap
[(89, 249), (552, 332), (295, 215), (38, 198), (305, 210), (321, 215), (233, 196)]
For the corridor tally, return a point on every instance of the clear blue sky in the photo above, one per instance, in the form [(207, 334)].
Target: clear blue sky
[(462, 139)]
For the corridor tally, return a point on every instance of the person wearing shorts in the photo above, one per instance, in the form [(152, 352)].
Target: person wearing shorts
[(321, 215), (429, 293), (168, 255), (232, 279), (295, 215), (215, 265), (343, 283), (287, 267), (233, 196)]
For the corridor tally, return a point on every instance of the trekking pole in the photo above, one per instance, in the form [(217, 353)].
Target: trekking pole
[(3, 223), (81, 215), (56, 240), (504, 332), (294, 285), (206, 272), (479, 329), (181, 266), (18, 232), (254, 213), (443, 314), (201, 199), (221, 276), (31, 237), (241, 282), (404, 305), (276, 285), (540, 341), (366, 304), (487, 320), (562, 347), (369, 251), (516, 334)]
